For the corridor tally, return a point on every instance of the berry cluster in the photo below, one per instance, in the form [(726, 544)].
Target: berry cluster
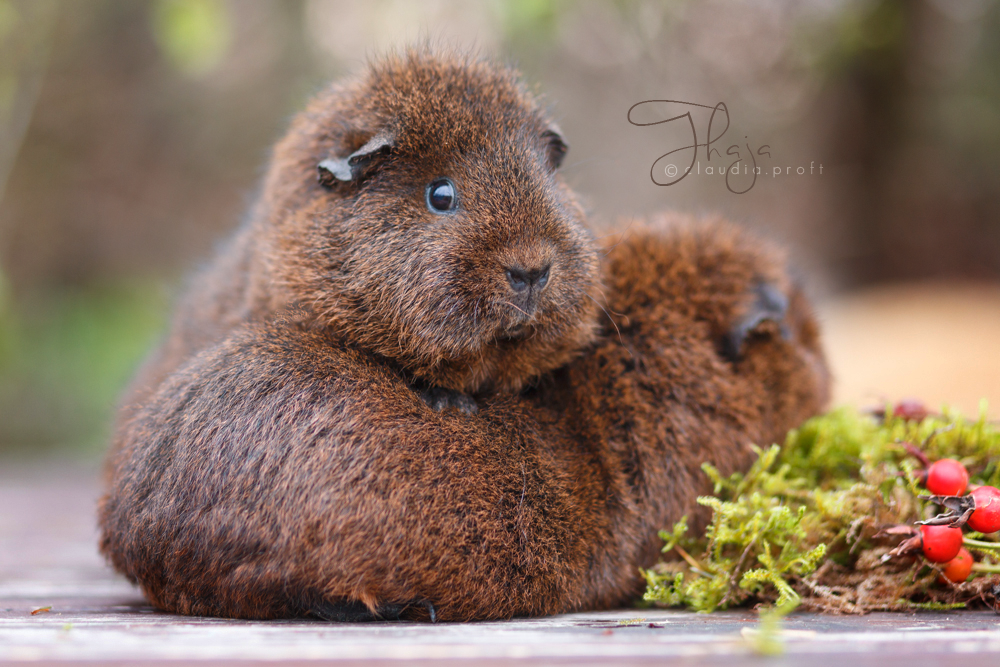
[(941, 538)]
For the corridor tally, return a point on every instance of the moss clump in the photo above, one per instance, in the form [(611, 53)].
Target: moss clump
[(802, 526)]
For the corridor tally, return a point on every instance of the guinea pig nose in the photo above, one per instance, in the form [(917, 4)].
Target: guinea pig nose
[(522, 279)]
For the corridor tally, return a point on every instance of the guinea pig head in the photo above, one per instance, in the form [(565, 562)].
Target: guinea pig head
[(735, 294), (418, 212)]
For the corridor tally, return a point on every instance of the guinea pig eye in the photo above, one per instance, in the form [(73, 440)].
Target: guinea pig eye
[(441, 196)]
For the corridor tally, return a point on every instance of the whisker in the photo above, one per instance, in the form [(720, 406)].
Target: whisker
[(608, 304), (615, 324), (622, 237), (523, 312)]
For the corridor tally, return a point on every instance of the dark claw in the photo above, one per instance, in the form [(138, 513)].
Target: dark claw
[(769, 303), (430, 609), (442, 399), (353, 611)]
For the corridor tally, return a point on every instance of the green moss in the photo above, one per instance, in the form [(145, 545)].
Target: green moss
[(803, 523)]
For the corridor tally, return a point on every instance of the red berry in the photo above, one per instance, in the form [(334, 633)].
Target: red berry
[(947, 477), (941, 543), (986, 517), (959, 568), (910, 410)]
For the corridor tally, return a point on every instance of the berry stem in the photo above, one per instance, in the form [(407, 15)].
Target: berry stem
[(983, 567), (979, 544)]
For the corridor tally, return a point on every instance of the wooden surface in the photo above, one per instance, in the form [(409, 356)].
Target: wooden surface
[(48, 558)]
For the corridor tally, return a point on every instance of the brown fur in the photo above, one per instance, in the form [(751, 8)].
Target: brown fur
[(275, 459)]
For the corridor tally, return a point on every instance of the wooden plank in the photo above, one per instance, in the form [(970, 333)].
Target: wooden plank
[(48, 558)]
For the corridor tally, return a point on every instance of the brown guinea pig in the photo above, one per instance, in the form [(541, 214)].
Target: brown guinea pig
[(296, 449), (417, 211)]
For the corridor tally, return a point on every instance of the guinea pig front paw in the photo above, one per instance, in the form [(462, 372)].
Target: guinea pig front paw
[(442, 399), (767, 304), (353, 611)]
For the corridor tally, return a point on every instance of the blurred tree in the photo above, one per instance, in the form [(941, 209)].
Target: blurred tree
[(194, 34), (25, 33), (914, 202), (148, 130)]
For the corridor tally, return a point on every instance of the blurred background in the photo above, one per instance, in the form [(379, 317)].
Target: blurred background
[(132, 135)]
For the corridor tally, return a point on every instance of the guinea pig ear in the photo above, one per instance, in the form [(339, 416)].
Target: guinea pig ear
[(555, 147), (768, 303), (358, 164)]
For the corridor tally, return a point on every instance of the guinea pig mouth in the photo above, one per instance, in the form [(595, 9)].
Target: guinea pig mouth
[(519, 331)]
